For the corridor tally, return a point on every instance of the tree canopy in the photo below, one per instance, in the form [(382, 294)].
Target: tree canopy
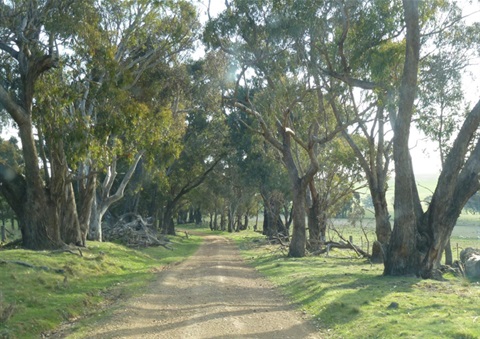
[(292, 106)]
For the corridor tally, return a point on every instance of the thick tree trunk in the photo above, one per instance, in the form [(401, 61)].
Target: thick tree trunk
[(401, 256), (245, 221), (215, 221), (383, 228), (298, 241), (86, 198), (38, 218), (317, 220), (168, 226), (63, 196), (70, 225), (231, 219), (3, 231), (198, 216), (222, 220), (270, 215), (448, 254), (39, 229)]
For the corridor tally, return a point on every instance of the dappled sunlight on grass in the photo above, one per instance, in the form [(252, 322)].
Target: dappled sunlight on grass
[(43, 298), (351, 297)]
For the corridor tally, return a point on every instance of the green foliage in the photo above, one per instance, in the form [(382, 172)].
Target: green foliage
[(106, 272)]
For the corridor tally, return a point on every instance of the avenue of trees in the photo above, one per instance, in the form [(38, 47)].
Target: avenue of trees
[(292, 107)]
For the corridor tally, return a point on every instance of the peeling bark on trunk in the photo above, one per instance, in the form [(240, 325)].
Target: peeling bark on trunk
[(298, 241), (70, 228), (95, 229), (39, 228), (383, 228), (63, 197), (86, 198), (316, 221)]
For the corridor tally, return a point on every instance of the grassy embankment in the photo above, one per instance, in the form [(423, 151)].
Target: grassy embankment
[(35, 300), (349, 298)]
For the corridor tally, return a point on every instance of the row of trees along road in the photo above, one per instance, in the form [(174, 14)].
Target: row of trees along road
[(293, 101)]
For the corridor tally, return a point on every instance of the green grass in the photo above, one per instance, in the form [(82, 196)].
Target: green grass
[(41, 300), (349, 298)]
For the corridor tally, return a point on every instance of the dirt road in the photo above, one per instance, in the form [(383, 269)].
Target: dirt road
[(213, 294)]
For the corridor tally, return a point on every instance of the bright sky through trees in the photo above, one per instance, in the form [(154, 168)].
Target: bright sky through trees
[(426, 159)]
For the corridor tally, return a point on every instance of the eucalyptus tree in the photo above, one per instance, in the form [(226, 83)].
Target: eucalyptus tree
[(203, 145), (338, 179), (98, 109), (418, 236), (138, 60), (356, 65), (441, 98), (254, 169), (375, 54), (261, 38), (30, 33)]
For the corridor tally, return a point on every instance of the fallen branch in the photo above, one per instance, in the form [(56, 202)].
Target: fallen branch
[(279, 239), (348, 244), (341, 245), (137, 232)]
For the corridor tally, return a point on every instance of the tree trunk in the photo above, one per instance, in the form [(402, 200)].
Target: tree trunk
[(95, 230), (298, 241), (215, 221), (316, 220), (86, 193), (103, 200), (168, 226), (70, 224), (198, 216), (245, 221), (39, 229), (3, 231), (269, 218), (63, 196), (222, 220), (231, 219), (402, 256), (448, 254), (383, 228)]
